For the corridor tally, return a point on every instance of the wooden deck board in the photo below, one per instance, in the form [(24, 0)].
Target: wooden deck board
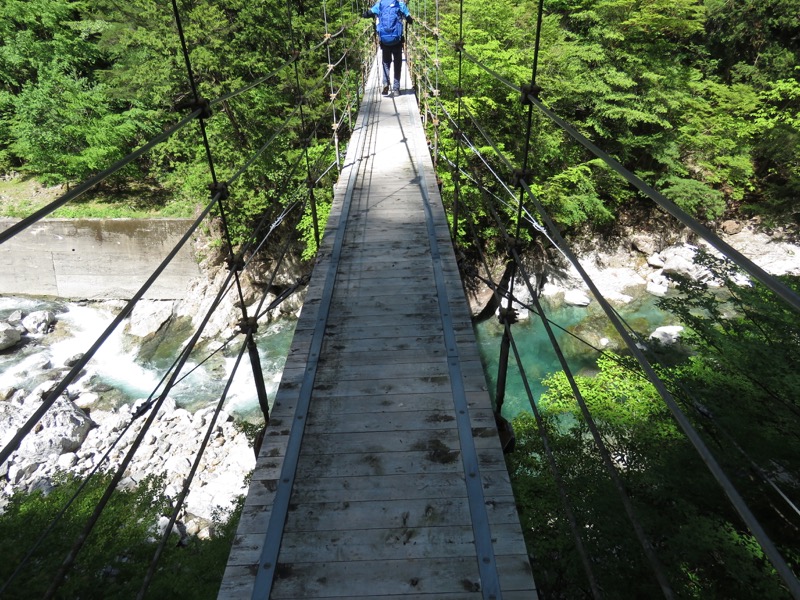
[(379, 504)]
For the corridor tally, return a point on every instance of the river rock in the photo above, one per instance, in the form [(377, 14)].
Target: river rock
[(645, 244), (655, 261), (63, 428), (657, 284), (731, 227), (666, 335), (523, 299), (679, 260), (775, 254), (576, 298), (9, 336), (147, 317), (15, 318), (39, 322)]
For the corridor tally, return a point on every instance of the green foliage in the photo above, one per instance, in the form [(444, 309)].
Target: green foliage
[(698, 539), (747, 366), (739, 388), (659, 85), (66, 131), (83, 84), (115, 558)]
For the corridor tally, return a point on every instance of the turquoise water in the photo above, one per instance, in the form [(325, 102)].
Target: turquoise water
[(117, 366), (537, 354)]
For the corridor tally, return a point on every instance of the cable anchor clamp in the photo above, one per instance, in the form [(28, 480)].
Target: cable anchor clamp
[(459, 45), (201, 104), (219, 188), (530, 89), (235, 262), (521, 177), (248, 325), (507, 315)]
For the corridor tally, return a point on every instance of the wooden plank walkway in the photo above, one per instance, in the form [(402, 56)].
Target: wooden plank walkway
[(382, 475)]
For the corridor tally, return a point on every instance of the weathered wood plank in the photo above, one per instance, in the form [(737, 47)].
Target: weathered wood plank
[(434, 440), (342, 579), (381, 487), (379, 505), (339, 370)]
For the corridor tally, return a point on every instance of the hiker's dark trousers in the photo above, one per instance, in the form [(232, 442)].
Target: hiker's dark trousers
[(391, 54)]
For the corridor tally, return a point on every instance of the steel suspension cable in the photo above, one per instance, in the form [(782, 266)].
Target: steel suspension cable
[(508, 316), (189, 478), (644, 540), (306, 140), (87, 356), (772, 283), (742, 509), (545, 438), (783, 291), (732, 494), (330, 68), (459, 92), (123, 162), (26, 428), (147, 405), (59, 515), (99, 508), (233, 265), (705, 454)]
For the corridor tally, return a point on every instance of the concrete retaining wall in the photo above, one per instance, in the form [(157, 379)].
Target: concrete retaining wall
[(96, 258)]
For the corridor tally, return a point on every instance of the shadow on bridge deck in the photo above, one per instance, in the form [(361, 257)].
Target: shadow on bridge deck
[(381, 474)]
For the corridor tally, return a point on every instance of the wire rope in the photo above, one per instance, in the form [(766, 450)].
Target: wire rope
[(216, 199), (542, 431), (772, 283), (189, 478), (642, 537), (705, 454)]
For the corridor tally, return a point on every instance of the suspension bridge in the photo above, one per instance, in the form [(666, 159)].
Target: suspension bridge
[(381, 471)]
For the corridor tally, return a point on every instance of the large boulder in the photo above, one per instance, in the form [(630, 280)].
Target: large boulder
[(62, 429), (667, 335), (576, 298), (9, 336), (39, 322), (148, 317), (679, 260)]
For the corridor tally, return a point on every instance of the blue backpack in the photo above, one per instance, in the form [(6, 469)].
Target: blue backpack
[(390, 26)]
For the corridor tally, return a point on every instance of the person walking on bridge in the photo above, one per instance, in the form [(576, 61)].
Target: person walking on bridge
[(391, 14)]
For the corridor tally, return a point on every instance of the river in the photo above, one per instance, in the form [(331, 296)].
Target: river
[(117, 371), (537, 354)]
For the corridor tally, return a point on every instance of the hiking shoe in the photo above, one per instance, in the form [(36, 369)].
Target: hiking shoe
[(385, 91)]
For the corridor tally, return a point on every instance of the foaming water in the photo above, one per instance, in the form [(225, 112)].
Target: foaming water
[(115, 370)]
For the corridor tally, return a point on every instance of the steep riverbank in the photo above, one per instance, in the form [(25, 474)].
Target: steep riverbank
[(634, 260)]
